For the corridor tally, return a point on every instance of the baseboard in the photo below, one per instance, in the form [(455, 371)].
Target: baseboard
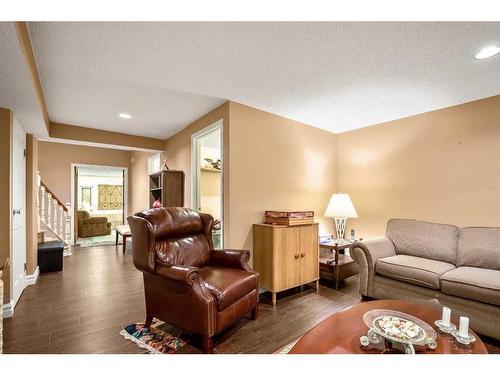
[(67, 252), (31, 279), (8, 309)]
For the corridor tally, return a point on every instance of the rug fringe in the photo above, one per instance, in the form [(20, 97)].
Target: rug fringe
[(139, 343)]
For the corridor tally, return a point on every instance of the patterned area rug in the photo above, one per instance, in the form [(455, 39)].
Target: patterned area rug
[(156, 339), (109, 239)]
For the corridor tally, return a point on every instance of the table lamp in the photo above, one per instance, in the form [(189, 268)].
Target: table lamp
[(341, 208)]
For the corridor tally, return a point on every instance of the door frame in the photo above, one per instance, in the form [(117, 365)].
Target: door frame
[(195, 170), (73, 189)]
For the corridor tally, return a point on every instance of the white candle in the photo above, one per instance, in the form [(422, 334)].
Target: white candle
[(463, 329), (446, 316)]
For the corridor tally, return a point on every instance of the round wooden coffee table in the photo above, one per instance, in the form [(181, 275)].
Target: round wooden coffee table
[(340, 333)]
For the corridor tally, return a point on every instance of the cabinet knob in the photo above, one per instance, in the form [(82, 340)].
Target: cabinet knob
[(302, 255), (296, 256)]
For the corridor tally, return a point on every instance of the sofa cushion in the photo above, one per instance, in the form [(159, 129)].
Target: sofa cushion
[(228, 285), (413, 270), (422, 239), (474, 283), (479, 247)]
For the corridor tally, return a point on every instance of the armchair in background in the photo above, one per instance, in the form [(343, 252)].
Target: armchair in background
[(89, 226)]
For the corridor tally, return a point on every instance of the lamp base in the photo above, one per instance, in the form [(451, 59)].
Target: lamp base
[(340, 226)]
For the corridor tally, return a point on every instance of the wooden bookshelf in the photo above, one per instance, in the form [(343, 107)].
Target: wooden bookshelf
[(168, 186)]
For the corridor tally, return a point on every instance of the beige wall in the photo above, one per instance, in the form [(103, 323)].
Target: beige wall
[(441, 166), (80, 133), (210, 192), (178, 155), (55, 159), (276, 163), (138, 175), (269, 163), (5, 202), (31, 204)]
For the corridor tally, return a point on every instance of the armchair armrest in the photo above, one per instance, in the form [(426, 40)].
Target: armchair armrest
[(231, 259), (366, 253), (95, 220), (185, 274)]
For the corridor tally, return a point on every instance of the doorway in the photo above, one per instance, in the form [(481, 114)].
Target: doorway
[(99, 201), (207, 172)]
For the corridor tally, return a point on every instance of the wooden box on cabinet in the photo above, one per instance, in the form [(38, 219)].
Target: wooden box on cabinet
[(285, 256)]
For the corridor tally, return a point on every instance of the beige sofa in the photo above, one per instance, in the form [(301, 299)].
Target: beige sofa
[(418, 260)]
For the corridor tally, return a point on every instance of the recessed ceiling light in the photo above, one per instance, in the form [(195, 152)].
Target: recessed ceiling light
[(487, 52), (124, 115)]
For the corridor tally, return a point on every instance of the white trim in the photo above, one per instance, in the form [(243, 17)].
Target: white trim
[(8, 309), (195, 171), (31, 279), (150, 162), (72, 187)]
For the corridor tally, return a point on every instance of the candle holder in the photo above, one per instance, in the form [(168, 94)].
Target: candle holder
[(445, 328), (463, 340)]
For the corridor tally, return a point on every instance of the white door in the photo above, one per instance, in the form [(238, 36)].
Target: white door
[(18, 275)]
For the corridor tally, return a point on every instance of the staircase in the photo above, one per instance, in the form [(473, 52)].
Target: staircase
[(54, 217)]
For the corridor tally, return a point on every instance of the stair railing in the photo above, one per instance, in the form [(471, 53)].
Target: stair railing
[(53, 213)]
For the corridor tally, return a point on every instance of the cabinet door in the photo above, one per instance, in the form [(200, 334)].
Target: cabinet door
[(309, 253), (286, 258)]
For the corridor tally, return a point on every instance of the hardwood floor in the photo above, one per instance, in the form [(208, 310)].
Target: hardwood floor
[(83, 309)]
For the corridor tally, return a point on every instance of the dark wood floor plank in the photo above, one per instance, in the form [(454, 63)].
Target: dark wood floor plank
[(83, 309)]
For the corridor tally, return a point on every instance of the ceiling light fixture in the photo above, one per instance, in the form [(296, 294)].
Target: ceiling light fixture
[(125, 115), (487, 52)]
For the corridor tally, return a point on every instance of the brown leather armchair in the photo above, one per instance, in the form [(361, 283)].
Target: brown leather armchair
[(187, 283)]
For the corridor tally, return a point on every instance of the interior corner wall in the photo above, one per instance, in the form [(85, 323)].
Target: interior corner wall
[(276, 163), (139, 186), (178, 157), (55, 159), (5, 202), (31, 204), (440, 166)]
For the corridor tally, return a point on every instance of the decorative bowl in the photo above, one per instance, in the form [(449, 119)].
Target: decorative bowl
[(398, 328)]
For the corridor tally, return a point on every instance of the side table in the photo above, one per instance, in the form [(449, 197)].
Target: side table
[(334, 264), (124, 231)]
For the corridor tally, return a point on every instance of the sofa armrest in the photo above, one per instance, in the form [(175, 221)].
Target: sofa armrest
[(231, 259), (95, 220), (366, 253), (185, 274)]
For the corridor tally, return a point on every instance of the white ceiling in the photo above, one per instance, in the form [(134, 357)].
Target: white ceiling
[(336, 76), (16, 89)]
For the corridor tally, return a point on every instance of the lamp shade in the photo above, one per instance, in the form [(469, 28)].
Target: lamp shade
[(341, 206)]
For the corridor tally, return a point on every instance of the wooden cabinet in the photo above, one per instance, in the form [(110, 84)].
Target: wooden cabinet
[(168, 186), (285, 256)]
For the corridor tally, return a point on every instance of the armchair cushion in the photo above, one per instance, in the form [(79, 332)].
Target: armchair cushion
[(413, 270), (425, 240), (228, 285), (479, 247), (479, 284)]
